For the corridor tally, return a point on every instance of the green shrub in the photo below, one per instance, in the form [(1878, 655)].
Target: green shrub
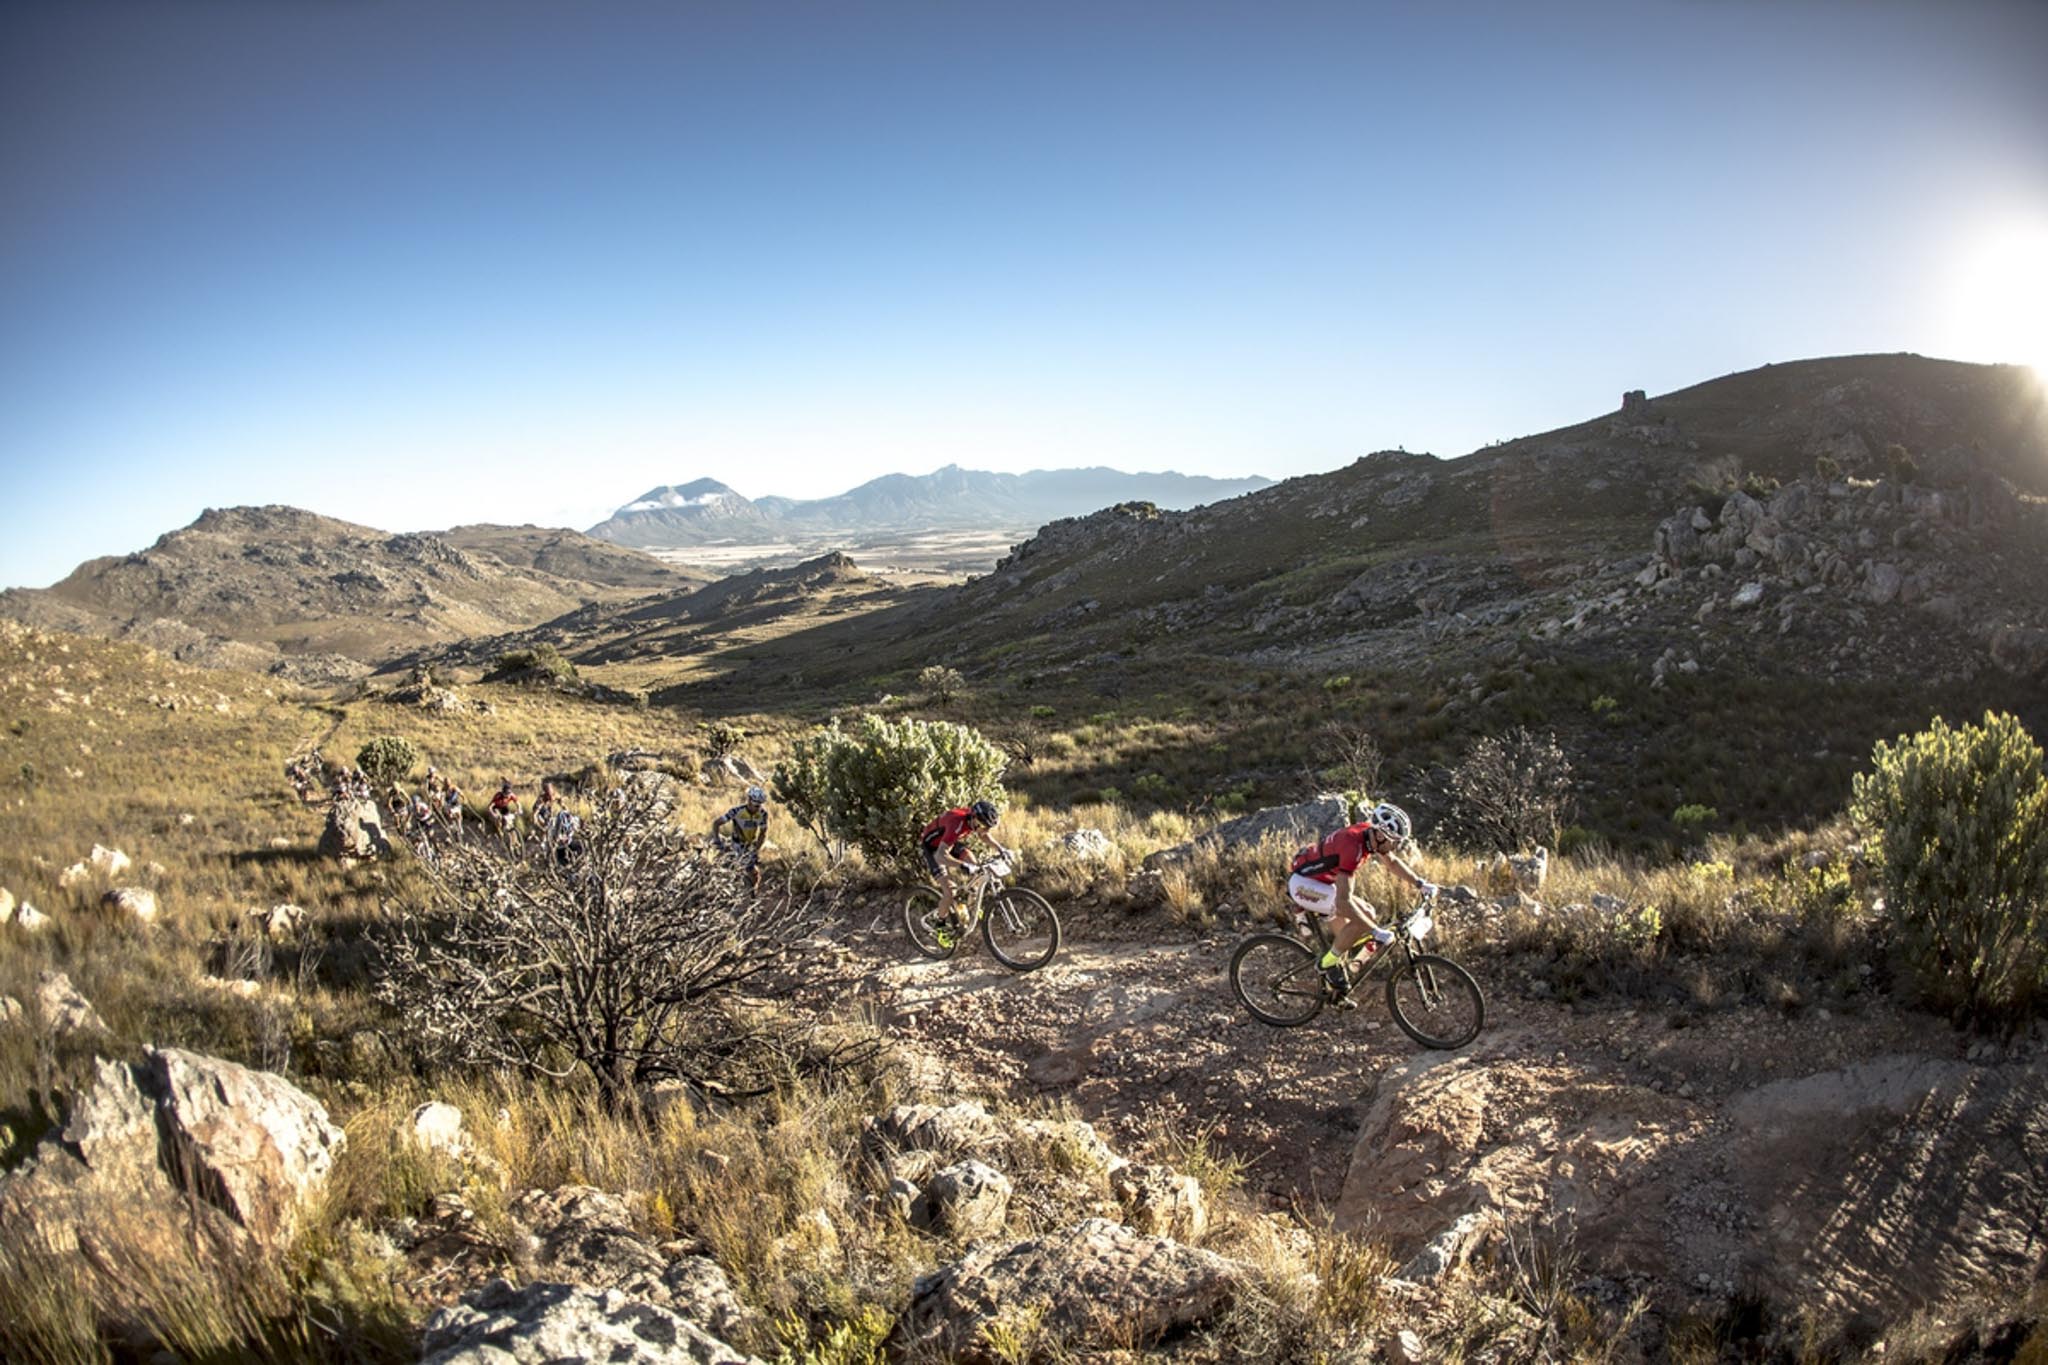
[(1693, 816), (1900, 464), (1604, 705), (1336, 682), (876, 784), (1958, 828), (1827, 468), (940, 683), (543, 660), (388, 759)]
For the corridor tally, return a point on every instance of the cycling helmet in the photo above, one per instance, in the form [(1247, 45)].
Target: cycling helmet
[(1390, 820), (755, 796), (984, 811)]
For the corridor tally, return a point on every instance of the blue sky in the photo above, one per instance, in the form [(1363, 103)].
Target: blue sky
[(415, 264)]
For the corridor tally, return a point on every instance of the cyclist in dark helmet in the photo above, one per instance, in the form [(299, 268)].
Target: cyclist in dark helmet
[(944, 835)]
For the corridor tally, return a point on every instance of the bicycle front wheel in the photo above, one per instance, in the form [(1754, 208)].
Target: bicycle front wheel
[(1436, 1002), (1021, 929), (933, 933), (1275, 977)]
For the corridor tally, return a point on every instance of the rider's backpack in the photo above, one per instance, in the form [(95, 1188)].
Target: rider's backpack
[(1311, 861)]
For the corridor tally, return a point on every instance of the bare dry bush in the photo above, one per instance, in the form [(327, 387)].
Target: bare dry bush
[(627, 957)]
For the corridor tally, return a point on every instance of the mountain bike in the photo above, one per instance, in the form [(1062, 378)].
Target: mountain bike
[(1019, 926), (1435, 1001)]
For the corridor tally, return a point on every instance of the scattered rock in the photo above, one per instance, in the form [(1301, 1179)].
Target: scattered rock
[(108, 862), (437, 1127), (968, 1200), (1096, 1283), (1161, 1202), (11, 1011), (280, 922), (138, 902), (6, 905), (1089, 845), (952, 1128), (546, 1323), (29, 919), (65, 1011)]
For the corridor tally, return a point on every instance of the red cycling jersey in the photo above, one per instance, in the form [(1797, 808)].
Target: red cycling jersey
[(949, 829), (1347, 846)]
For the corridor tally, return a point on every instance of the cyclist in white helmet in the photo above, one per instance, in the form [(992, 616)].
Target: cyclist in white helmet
[(749, 823), (1323, 882)]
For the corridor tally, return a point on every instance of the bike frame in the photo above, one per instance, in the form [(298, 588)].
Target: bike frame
[(1319, 930)]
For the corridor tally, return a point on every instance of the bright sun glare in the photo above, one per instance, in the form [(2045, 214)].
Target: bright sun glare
[(1998, 301)]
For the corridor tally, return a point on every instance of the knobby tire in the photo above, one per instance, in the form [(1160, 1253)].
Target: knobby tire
[(917, 904), (1022, 921), (1443, 1006), (1275, 978)]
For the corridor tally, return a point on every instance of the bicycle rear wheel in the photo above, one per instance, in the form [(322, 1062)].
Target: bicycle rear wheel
[(931, 932), (1275, 977), (1021, 929), (1436, 1002)]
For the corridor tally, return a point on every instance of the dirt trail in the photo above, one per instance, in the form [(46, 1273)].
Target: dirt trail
[(1139, 1036), (1706, 1155)]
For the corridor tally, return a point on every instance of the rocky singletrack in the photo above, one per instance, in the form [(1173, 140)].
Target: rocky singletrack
[(1846, 1161)]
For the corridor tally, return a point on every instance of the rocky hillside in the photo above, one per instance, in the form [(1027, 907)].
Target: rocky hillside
[(572, 555), (706, 511), (300, 594)]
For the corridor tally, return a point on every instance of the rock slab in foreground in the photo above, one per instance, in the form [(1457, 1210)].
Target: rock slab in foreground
[(1097, 1280), (546, 1322)]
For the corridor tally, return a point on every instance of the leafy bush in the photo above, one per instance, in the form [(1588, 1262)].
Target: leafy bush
[(1900, 464), (1510, 792), (877, 784), (388, 759), (1958, 827), (543, 660), (940, 683), (1827, 468), (1692, 815)]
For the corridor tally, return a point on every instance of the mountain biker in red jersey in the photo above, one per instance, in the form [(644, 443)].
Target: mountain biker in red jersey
[(945, 833), (1323, 883)]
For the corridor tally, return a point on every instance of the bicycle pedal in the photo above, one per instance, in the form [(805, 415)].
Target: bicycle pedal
[(1343, 1002)]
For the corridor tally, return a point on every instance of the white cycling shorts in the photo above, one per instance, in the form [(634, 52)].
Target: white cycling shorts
[(1318, 898)]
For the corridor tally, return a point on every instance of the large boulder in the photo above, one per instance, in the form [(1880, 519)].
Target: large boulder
[(255, 1145), (354, 832), (1302, 823), (179, 1135), (1096, 1283), (2021, 651), (547, 1323)]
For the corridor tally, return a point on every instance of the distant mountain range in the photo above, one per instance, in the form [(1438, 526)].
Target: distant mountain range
[(706, 511)]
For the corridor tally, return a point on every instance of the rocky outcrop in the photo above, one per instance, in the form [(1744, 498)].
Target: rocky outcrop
[(65, 1011), (1881, 1185), (584, 1236), (1097, 1283), (135, 902), (546, 1323), (950, 1129)]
